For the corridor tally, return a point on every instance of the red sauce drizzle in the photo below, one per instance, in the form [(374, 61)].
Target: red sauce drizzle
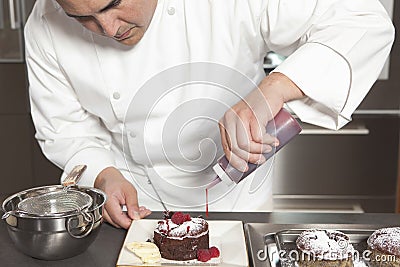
[(206, 202), (167, 227)]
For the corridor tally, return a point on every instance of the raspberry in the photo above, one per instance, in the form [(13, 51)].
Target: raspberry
[(187, 217), (179, 217), (203, 255), (214, 252)]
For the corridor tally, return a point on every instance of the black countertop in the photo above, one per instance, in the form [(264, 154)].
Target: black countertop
[(105, 249)]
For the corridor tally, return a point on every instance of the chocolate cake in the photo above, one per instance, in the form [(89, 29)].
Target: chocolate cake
[(324, 248), (179, 237), (384, 245)]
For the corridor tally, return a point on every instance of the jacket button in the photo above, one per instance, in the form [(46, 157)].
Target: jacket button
[(116, 95), (171, 11)]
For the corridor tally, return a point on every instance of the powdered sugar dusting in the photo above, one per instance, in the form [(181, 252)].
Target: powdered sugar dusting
[(325, 244), (194, 228), (386, 240)]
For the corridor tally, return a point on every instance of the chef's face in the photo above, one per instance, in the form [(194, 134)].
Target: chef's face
[(125, 21)]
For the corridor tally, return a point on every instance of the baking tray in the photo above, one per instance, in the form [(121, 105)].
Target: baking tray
[(274, 245)]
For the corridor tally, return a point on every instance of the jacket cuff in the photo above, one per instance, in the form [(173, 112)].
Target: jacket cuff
[(325, 78), (96, 159)]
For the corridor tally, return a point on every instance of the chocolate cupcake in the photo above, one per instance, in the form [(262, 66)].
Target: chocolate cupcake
[(324, 248), (384, 245)]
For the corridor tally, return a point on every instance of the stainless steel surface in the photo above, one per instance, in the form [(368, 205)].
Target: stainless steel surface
[(57, 237), (15, 14), (383, 112), (353, 128), (316, 204), (264, 246)]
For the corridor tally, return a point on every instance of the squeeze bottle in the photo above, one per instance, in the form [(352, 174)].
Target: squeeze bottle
[(286, 127)]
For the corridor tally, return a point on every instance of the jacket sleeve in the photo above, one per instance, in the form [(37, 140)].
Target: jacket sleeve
[(336, 50), (67, 134)]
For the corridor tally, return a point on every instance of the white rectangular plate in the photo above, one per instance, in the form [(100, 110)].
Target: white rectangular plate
[(228, 236)]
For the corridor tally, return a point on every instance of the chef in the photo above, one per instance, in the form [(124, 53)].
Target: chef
[(149, 93)]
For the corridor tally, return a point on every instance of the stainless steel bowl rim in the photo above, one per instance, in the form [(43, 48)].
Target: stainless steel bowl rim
[(23, 214)]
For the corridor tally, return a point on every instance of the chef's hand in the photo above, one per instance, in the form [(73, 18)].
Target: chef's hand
[(243, 135), (119, 192)]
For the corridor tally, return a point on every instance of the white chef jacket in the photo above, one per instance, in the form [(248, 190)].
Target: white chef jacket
[(93, 101)]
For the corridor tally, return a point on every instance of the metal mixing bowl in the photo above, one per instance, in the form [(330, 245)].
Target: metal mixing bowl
[(53, 238)]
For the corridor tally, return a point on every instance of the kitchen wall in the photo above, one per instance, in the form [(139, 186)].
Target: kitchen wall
[(22, 163)]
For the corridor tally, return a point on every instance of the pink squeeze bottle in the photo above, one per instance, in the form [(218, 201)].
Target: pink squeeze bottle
[(287, 128)]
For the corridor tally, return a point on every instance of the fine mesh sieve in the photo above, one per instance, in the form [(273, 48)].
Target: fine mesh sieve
[(56, 203), (62, 202)]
